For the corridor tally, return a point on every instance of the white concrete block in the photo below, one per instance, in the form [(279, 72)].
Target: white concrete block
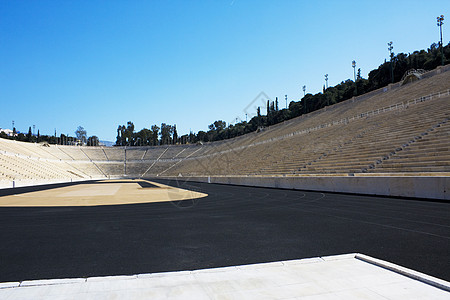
[(409, 290), (261, 265), (5, 285), (215, 270), (190, 291), (109, 278), (52, 281), (338, 257), (302, 261), (168, 279), (163, 274), (332, 277)]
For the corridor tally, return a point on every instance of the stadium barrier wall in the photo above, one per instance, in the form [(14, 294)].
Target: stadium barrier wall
[(430, 187), (6, 184)]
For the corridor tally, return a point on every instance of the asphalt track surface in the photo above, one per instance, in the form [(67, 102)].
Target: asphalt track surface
[(234, 225)]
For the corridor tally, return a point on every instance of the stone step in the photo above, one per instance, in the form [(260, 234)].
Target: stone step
[(410, 169), (390, 163)]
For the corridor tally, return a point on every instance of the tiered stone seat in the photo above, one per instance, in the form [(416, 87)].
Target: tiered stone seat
[(29, 161), (136, 168), (159, 168), (411, 138), (19, 167), (88, 168), (357, 146), (112, 168), (428, 153), (74, 152), (95, 153), (115, 153), (136, 153), (190, 150), (153, 153), (173, 152), (56, 152)]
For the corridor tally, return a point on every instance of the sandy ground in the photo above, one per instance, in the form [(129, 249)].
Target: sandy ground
[(108, 192)]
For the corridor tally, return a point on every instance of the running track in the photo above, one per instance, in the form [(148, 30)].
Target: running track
[(234, 225)]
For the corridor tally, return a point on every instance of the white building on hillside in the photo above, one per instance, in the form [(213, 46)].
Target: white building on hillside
[(8, 132)]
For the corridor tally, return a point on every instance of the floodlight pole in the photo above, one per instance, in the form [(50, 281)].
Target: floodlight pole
[(304, 94), (125, 161), (391, 54), (326, 81), (354, 76), (354, 69), (440, 21)]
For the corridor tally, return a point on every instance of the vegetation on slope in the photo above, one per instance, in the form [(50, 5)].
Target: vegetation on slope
[(378, 78), (218, 130)]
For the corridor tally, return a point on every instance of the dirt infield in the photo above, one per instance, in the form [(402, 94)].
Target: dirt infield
[(108, 192)]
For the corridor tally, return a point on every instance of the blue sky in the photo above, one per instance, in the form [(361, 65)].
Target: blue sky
[(99, 64)]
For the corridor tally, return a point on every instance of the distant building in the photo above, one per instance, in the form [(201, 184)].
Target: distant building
[(8, 132)]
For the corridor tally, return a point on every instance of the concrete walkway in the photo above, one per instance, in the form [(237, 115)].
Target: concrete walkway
[(350, 276)]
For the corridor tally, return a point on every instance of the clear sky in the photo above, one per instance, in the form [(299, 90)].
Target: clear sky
[(99, 64)]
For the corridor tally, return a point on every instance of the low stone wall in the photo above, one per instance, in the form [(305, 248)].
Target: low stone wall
[(431, 187), (6, 184)]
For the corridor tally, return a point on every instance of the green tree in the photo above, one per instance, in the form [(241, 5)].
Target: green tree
[(218, 125), (192, 138), (201, 136), (129, 133), (166, 133), (120, 139), (29, 135), (143, 137), (155, 134), (93, 141), (175, 134), (81, 133)]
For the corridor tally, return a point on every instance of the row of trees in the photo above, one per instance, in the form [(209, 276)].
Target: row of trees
[(378, 78), (79, 139), (167, 134), (164, 135)]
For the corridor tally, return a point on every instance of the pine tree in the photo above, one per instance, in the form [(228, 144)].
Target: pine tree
[(119, 136), (29, 134), (175, 134)]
